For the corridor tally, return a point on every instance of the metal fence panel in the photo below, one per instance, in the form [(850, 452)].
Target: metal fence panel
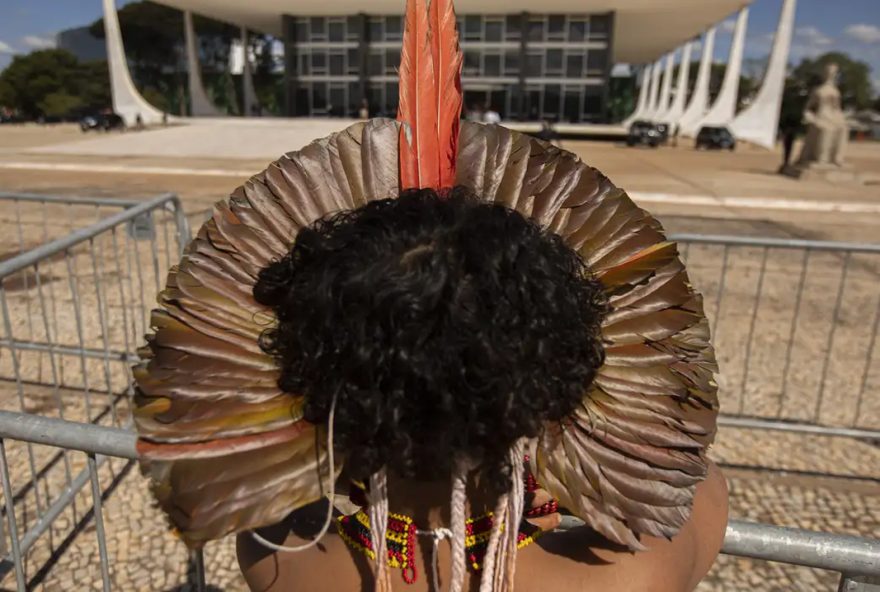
[(78, 277), (794, 324)]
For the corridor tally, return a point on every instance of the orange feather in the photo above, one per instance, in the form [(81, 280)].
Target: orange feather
[(430, 95)]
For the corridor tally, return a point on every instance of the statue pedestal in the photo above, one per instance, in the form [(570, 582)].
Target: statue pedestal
[(832, 173)]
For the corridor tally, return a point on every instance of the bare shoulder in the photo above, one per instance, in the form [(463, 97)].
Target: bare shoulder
[(581, 560)]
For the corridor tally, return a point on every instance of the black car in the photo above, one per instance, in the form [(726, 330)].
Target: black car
[(715, 138), (645, 133), (102, 121)]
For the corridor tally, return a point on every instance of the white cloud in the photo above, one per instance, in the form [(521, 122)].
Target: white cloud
[(728, 26), (812, 36), (5, 48), (35, 42), (864, 33)]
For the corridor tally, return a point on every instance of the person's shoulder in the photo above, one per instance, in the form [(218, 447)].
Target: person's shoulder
[(583, 560)]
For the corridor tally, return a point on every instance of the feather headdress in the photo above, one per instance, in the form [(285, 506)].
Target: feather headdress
[(229, 451)]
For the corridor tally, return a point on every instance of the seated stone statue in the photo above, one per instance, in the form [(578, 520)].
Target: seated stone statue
[(827, 130)]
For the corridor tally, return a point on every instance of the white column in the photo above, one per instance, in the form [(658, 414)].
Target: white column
[(700, 98), (724, 109), (200, 104), (757, 123), (653, 91), (665, 89), (250, 97), (681, 87), (127, 101), (643, 97)]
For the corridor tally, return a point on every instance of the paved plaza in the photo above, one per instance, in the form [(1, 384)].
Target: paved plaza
[(778, 478)]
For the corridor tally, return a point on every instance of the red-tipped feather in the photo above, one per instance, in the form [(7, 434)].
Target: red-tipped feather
[(447, 73), (430, 96)]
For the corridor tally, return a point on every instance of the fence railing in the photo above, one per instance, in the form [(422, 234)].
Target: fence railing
[(794, 324), (854, 558), (78, 277)]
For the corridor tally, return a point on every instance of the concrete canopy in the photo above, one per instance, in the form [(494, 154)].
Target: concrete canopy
[(644, 29)]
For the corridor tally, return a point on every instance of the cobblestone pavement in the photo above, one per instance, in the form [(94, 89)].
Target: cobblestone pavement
[(825, 374)]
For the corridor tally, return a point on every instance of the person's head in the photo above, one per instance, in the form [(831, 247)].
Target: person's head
[(447, 328)]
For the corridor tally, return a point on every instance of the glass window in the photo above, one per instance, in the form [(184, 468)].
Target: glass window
[(471, 62), (352, 28), (571, 108), (316, 26), (319, 62), (376, 64), (473, 28), (319, 96), (511, 63), (393, 28), (302, 100), (536, 30), (494, 30), (337, 64), (353, 66), (599, 27), (336, 31), (375, 29), (596, 61), (552, 96), (354, 97), (392, 60), (492, 64), (574, 65), (305, 64), (577, 30), (592, 103), (513, 28), (391, 98), (554, 62), (337, 101), (556, 27), (301, 30), (534, 64)]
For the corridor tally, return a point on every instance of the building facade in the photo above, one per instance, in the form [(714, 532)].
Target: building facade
[(525, 66)]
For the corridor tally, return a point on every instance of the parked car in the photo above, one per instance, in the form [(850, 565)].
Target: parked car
[(101, 121), (715, 138), (645, 133)]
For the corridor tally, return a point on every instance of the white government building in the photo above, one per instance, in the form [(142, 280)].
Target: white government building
[(555, 65)]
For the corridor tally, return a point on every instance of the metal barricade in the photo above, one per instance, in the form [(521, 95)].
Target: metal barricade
[(856, 559), (78, 277), (794, 324)]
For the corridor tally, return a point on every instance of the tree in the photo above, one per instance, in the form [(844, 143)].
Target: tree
[(854, 79), (51, 82)]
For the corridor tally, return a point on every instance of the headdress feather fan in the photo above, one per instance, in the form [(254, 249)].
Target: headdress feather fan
[(228, 451)]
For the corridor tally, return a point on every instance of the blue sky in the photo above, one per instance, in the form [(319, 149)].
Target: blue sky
[(852, 26)]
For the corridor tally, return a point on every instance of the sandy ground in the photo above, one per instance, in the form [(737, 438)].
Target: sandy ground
[(785, 349)]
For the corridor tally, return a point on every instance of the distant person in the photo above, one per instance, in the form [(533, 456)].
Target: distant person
[(138, 122), (547, 133), (475, 113), (789, 127), (364, 111), (164, 119), (491, 116), (675, 130)]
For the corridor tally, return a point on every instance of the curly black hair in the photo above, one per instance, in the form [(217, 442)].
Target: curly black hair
[(447, 327)]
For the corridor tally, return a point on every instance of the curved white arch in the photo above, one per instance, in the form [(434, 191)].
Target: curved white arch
[(127, 101)]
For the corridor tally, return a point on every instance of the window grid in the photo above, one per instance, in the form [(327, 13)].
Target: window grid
[(566, 56)]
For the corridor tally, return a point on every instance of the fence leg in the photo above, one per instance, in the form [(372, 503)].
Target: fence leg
[(10, 516), (198, 559), (97, 502)]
